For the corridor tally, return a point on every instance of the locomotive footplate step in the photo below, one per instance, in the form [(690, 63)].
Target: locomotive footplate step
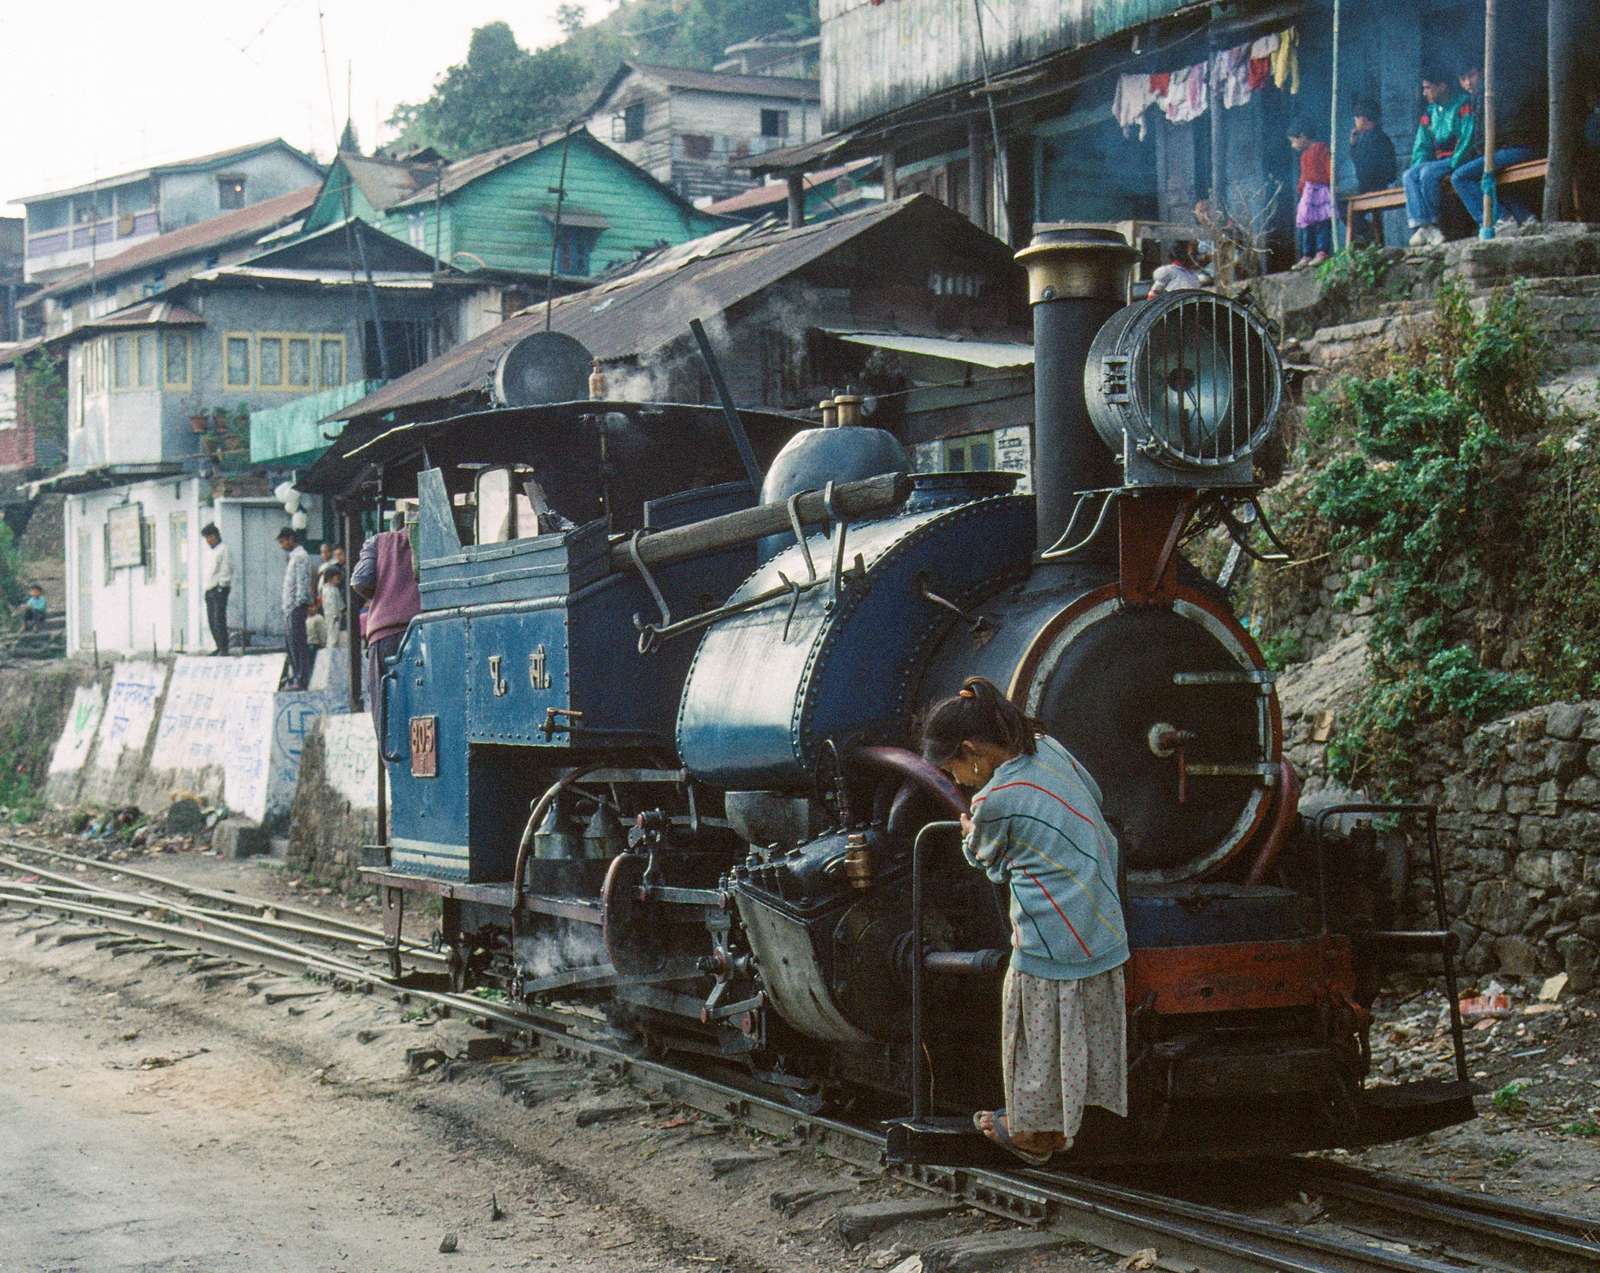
[(944, 1142), (1410, 1109)]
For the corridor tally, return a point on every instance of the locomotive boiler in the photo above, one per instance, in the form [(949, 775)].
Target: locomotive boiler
[(666, 763)]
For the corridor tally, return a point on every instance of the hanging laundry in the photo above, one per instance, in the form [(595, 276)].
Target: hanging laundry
[(1133, 99), (1186, 94), (1286, 60), (1261, 60), (1231, 76), (1265, 47)]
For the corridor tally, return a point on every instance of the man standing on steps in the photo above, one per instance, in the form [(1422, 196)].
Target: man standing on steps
[(296, 606), (385, 576), (218, 576)]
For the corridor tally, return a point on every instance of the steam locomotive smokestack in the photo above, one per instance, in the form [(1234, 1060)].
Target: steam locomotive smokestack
[(1077, 278)]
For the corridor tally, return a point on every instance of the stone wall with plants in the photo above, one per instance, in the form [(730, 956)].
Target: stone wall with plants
[(1438, 630)]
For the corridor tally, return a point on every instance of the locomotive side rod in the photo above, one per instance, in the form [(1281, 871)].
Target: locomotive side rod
[(851, 500)]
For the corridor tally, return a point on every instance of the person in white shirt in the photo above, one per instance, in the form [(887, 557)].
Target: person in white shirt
[(1178, 275), (296, 600), (218, 580)]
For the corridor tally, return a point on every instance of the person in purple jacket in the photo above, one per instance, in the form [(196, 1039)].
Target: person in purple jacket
[(386, 575), (1036, 826)]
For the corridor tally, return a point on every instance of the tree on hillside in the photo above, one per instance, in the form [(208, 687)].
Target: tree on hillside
[(503, 92), (500, 94)]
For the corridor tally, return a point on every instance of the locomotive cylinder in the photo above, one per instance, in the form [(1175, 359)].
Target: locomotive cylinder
[(1077, 278)]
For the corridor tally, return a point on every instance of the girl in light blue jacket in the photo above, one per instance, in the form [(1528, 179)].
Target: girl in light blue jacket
[(1036, 826)]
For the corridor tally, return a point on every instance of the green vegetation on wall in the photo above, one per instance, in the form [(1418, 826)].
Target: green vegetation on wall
[(1464, 520), (42, 395)]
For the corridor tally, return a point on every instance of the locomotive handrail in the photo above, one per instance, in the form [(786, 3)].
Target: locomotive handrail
[(919, 1108), (1430, 818), (1056, 552), (852, 500), (392, 673)]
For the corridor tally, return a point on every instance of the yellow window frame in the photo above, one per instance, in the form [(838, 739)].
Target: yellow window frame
[(283, 339), (188, 360), (250, 345), (324, 339)]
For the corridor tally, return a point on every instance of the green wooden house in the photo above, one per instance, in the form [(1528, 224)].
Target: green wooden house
[(497, 210)]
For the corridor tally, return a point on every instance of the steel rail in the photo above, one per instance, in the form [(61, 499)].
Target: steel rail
[(1024, 1195), (282, 959), (175, 935), (194, 890), (194, 915), (1267, 1229), (227, 920), (1494, 1217)]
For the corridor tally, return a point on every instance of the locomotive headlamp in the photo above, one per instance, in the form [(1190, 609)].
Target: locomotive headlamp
[(1184, 387)]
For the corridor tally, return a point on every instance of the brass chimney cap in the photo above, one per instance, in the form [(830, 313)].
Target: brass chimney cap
[(1073, 259)]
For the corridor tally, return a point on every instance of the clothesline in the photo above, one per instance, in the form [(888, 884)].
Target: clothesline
[(1235, 75)]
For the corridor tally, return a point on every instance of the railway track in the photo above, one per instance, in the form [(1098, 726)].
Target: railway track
[(1118, 1217)]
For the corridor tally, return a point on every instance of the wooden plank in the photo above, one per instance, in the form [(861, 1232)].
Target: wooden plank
[(1374, 200)]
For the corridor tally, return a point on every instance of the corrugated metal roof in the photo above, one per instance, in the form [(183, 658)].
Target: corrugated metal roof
[(465, 171), (801, 158), (385, 182), (244, 225), (180, 165), (980, 353), (721, 82), (777, 192), (641, 311), (148, 314), (326, 278)]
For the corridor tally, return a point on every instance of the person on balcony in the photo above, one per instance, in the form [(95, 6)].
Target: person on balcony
[(1443, 143), (1522, 136), (1313, 213)]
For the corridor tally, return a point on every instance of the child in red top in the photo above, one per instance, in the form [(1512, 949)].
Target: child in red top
[(1313, 214)]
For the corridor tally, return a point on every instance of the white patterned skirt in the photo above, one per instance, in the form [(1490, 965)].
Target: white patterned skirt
[(1063, 1045)]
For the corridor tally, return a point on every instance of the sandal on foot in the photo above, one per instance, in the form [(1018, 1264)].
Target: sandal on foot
[(1005, 1141)]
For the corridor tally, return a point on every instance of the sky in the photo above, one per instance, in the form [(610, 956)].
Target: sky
[(91, 88)]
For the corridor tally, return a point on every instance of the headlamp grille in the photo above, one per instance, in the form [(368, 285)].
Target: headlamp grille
[(1190, 378)]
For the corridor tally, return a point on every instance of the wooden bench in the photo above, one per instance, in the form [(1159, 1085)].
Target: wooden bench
[(1377, 200)]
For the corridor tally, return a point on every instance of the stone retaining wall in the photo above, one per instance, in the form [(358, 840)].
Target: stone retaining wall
[(1519, 822), (335, 802), (1520, 817)]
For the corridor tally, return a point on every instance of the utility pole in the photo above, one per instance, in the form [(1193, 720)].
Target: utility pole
[(1486, 230), (1561, 30), (1333, 137)]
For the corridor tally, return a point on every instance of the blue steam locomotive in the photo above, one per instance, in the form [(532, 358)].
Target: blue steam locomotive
[(661, 760)]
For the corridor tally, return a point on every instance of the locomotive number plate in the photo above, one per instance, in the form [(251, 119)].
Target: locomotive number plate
[(424, 746)]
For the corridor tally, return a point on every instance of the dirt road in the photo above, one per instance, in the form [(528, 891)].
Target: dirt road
[(149, 1122)]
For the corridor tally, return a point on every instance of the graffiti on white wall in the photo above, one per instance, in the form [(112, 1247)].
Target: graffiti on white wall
[(266, 733), (350, 758), (130, 709), (72, 748), (194, 723)]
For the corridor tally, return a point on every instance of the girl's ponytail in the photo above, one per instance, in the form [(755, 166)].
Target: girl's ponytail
[(980, 713)]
